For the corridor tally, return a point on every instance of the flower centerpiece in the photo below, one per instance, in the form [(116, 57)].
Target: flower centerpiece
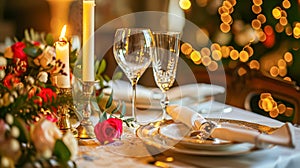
[(28, 106), (29, 100)]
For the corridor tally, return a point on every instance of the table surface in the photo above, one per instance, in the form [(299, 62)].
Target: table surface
[(131, 152)]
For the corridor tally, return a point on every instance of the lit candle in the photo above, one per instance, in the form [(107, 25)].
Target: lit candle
[(88, 41), (62, 54)]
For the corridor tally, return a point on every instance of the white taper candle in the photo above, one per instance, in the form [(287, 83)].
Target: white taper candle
[(88, 41)]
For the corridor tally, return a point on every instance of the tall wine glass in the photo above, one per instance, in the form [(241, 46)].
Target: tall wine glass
[(133, 50), (165, 62)]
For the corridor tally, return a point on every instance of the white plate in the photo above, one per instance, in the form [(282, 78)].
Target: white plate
[(180, 133), (150, 135)]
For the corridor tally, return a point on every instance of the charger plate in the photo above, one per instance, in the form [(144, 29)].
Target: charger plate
[(168, 135)]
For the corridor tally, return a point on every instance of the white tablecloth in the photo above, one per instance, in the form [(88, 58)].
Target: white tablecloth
[(124, 153)]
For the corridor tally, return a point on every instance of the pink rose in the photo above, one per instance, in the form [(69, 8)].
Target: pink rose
[(109, 130)]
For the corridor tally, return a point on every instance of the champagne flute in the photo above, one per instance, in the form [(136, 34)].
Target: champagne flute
[(133, 50), (165, 63)]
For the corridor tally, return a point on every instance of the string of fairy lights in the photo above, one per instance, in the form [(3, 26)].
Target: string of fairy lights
[(258, 31)]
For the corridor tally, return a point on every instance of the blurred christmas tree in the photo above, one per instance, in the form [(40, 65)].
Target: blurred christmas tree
[(262, 34)]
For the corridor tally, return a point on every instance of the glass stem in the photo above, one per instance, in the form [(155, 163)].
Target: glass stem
[(133, 83), (164, 103)]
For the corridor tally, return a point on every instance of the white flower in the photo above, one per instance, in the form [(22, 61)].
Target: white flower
[(30, 79), (42, 76), (2, 74), (44, 135), (72, 144), (3, 61), (47, 59), (14, 145), (15, 132), (9, 119), (5, 162)]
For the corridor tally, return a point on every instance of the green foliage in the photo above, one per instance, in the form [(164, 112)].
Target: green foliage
[(33, 51), (114, 112), (61, 151)]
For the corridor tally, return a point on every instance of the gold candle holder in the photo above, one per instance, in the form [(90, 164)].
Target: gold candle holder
[(64, 111), (86, 127)]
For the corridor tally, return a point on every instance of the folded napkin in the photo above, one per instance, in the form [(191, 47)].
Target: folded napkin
[(152, 95), (283, 136)]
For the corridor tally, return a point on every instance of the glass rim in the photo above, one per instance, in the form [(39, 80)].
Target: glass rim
[(166, 32), (133, 28)]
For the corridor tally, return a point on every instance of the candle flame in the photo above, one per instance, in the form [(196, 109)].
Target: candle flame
[(63, 32)]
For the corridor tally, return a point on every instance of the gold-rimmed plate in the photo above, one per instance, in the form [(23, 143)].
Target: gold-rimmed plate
[(151, 134)]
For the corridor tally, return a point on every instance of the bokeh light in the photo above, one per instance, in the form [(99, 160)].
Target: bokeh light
[(257, 2), (195, 56), (274, 71), (249, 50), (234, 54), (241, 71), (215, 46), (262, 18), (254, 64), (274, 112), (225, 51), (225, 28), (286, 4), (206, 60), (289, 111), (185, 4), (256, 9), (244, 57), (279, 28), (186, 48), (288, 57), (276, 12), (287, 79), (205, 52), (256, 24), (283, 21), (213, 66), (281, 108), (216, 55)]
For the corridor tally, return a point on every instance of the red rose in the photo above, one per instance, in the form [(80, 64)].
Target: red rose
[(109, 130), (47, 95), (17, 49), (10, 80), (19, 58)]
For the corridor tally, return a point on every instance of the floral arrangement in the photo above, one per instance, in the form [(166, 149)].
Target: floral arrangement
[(28, 106), (29, 136)]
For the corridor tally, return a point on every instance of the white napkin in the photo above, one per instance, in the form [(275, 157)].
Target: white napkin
[(152, 95), (283, 136)]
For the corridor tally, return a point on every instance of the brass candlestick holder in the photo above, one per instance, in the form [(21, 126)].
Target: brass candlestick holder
[(86, 127), (64, 111)]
